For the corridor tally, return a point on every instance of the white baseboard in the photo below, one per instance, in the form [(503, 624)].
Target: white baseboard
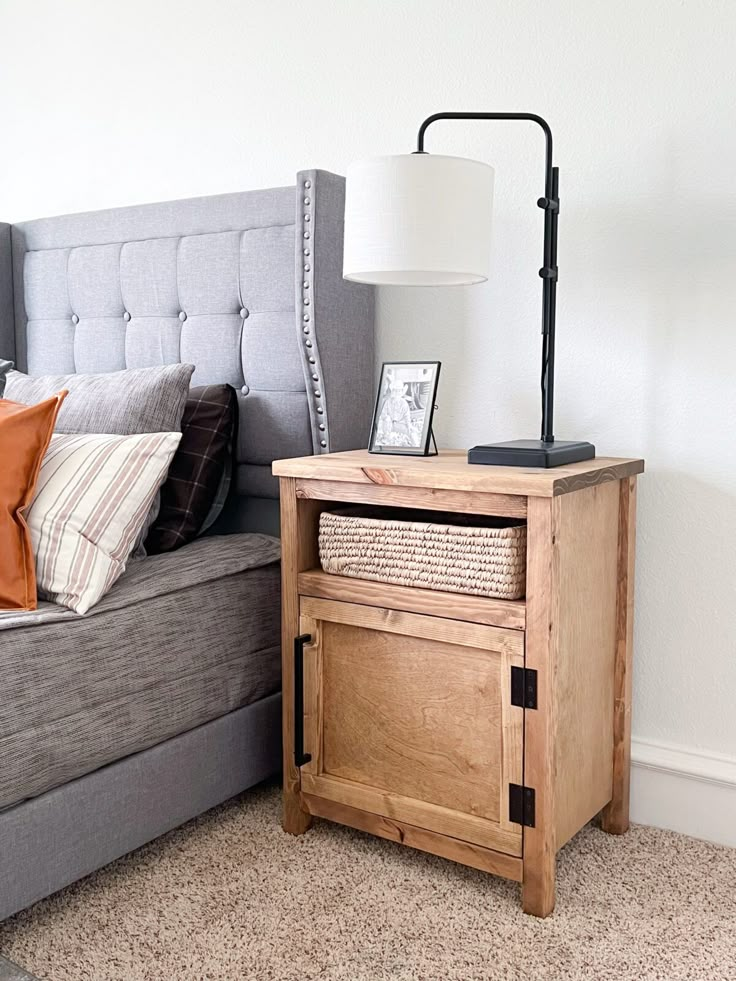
[(684, 790)]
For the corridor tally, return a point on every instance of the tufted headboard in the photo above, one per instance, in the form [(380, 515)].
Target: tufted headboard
[(247, 287)]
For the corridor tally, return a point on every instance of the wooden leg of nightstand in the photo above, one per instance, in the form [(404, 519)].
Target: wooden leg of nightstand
[(615, 816), (295, 819), (538, 886)]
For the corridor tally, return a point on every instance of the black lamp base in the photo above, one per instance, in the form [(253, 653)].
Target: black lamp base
[(531, 453)]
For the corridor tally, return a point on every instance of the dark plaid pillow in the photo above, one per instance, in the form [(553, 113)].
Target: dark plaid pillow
[(199, 470), (5, 367)]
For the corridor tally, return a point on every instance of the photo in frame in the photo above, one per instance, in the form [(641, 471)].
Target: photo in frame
[(402, 418)]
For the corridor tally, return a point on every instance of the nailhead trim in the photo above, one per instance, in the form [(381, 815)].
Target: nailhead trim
[(307, 286)]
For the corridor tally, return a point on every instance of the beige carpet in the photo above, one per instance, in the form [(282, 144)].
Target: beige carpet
[(230, 896)]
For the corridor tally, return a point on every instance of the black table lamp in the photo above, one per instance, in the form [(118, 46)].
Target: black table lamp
[(425, 220)]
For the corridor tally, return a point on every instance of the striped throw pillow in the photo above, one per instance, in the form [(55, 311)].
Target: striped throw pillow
[(92, 498)]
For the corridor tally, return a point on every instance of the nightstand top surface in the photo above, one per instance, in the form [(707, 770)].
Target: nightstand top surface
[(450, 470)]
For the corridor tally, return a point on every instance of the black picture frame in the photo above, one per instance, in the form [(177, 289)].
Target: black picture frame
[(408, 437)]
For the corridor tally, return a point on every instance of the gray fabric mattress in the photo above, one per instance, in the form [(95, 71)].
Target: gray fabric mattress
[(181, 639)]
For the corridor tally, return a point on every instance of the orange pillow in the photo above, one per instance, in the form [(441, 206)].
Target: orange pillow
[(25, 432)]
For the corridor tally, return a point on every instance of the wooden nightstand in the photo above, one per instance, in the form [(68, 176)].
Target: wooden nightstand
[(483, 730)]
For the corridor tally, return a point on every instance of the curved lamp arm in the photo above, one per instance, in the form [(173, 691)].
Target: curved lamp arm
[(528, 116), (551, 205)]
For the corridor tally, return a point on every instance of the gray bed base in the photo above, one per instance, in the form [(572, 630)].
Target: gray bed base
[(61, 836), (248, 287)]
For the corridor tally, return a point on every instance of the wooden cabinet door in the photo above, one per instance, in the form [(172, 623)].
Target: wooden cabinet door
[(410, 717)]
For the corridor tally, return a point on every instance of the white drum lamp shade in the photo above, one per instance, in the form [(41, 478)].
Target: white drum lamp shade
[(418, 220)]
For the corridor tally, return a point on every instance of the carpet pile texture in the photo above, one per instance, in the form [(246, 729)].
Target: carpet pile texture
[(230, 896)]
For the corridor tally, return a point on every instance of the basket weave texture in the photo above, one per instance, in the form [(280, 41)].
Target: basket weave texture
[(484, 561)]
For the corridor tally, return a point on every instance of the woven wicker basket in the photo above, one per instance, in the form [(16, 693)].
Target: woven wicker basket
[(486, 558)]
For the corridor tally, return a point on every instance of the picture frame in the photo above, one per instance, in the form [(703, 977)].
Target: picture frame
[(404, 409)]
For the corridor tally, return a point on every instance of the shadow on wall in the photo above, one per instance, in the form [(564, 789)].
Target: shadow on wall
[(425, 317), (685, 624), (489, 383), (662, 357)]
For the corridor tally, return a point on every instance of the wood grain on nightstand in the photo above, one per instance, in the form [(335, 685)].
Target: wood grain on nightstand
[(410, 717)]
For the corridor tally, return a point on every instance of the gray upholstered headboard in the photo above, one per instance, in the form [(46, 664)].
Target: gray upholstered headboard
[(248, 287)]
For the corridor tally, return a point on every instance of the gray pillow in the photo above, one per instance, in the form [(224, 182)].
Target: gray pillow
[(122, 403), (5, 367)]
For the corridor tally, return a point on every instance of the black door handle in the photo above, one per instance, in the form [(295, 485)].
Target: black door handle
[(300, 757)]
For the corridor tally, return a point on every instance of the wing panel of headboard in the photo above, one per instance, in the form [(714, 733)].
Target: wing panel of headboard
[(248, 287), (7, 323), (337, 337)]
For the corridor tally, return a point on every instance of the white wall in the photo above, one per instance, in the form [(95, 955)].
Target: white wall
[(106, 104)]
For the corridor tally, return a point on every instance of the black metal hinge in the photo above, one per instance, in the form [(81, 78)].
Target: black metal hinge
[(521, 805), (524, 687)]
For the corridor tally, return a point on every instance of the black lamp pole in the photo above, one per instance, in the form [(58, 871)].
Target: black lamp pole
[(546, 452)]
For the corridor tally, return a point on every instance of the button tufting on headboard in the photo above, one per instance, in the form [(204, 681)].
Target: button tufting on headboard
[(248, 287)]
